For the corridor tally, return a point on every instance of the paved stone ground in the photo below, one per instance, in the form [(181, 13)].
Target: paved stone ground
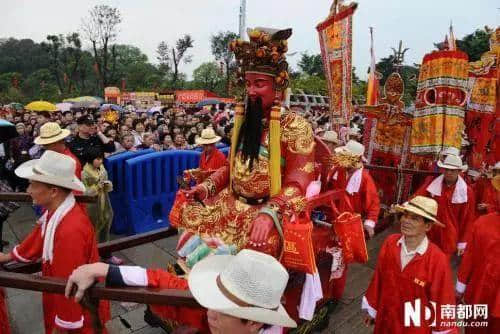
[(25, 307)]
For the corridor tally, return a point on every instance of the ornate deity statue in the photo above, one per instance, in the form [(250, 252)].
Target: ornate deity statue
[(483, 106), (271, 161), (387, 135)]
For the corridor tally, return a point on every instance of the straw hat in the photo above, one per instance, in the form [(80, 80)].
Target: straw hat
[(50, 133), (351, 148), (496, 182), (331, 137), (423, 206), (452, 162), (208, 136), (248, 285), (52, 168), (450, 151)]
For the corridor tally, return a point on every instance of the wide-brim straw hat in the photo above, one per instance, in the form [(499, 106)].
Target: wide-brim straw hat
[(248, 285), (351, 148), (330, 137), (452, 162), (423, 206), (51, 133), (207, 137), (52, 168)]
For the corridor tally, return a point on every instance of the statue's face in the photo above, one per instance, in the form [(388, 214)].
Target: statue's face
[(393, 97), (261, 85)]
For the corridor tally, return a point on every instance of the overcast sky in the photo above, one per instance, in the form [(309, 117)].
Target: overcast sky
[(418, 23)]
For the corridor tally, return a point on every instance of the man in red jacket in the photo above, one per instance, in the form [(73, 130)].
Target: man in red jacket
[(478, 280), (52, 139), (456, 206), (411, 274), (487, 198), (360, 191), (211, 158), (63, 238), (360, 194)]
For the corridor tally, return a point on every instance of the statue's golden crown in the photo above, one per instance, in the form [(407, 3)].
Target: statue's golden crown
[(264, 53)]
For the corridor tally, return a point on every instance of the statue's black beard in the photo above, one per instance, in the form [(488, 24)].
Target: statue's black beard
[(251, 131)]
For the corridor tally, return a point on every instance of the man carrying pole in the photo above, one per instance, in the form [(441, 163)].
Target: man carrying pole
[(63, 237)]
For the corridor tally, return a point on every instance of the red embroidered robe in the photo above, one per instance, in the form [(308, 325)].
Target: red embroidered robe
[(479, 272), (74, 245), (426, 277)]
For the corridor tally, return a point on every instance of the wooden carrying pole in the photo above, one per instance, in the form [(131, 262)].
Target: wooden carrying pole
[(104, 248), (25, 197), (99, 291), (401, 170)]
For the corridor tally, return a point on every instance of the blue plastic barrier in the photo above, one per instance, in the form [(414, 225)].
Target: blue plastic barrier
[(115, 166), (151, 187), (225, 150)]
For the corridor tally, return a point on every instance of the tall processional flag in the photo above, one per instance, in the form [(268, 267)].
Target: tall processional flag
[(373, 84)]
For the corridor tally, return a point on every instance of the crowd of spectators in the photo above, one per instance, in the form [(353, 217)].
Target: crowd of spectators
[(168, 129)]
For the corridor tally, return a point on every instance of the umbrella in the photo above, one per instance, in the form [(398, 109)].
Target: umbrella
[(7, 130), (97, 98), (85, 102), (207, 102), (15, 105), (41, 106), (155, 109), (112, 107), (64, 106)]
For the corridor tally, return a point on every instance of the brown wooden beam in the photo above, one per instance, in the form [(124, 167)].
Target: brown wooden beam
[(105, 248), (25, 197), (98, 291), (402, 170)]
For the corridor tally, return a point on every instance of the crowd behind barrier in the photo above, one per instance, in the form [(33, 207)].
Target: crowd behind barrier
[(144, 152)]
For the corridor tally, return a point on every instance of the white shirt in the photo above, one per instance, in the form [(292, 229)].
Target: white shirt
[(407, 256)]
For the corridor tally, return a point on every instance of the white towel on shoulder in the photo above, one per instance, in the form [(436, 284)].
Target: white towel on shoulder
[(459, 194), (49, 228)]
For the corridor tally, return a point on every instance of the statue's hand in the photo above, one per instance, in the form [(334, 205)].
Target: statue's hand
[(261, 227), (197, 192)]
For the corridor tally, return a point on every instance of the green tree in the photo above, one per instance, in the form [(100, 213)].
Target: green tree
[(311, 65), (220, 50), (170, 58), (133, 66), (23, 56), (475, 44), (310, 84), (101, 29), (207, 76), (65, 54)]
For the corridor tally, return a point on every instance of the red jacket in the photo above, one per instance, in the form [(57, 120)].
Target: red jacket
[(426, 277), (488, 196), (479, 272), (78, 167), (215, 161), (457, 218), (74, 245), (364, 200)]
